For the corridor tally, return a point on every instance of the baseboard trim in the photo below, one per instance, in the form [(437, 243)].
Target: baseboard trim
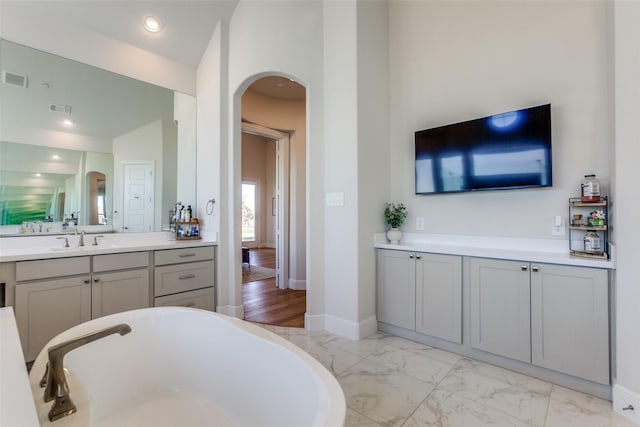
[(338, 326), (298, 285), (622, 398), (231, 310)]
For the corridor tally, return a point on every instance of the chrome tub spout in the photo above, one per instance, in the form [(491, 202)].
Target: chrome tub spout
[(54, 380)]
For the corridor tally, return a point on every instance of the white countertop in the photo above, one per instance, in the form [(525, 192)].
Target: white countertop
[(48, 247), (550, 251), (16, 403)]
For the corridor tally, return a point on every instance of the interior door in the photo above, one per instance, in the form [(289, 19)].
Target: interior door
[(282, 213), (138, 197)]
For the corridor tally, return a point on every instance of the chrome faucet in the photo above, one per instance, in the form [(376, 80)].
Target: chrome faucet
[(81, 241), (54, 380)]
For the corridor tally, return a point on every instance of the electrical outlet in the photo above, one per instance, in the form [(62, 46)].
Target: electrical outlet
[(420, 223)]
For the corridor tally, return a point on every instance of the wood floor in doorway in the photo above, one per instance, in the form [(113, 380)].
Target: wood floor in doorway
[(264, 303)]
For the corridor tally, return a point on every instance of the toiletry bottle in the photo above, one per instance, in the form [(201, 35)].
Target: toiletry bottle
[(590, 189), (187, 214)]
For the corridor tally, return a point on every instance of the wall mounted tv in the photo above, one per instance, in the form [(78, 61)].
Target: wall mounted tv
[(500, 152)]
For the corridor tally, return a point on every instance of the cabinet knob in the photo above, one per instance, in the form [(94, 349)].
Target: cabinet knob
[(96, 279), (524, 268), (535, 269), (87, 281), (418, 256), (411, 256)]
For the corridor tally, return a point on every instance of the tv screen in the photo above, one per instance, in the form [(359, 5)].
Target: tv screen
[(504, 151)]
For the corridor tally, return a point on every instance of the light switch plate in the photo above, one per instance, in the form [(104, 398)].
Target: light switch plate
[(419, 223), (334, 199)]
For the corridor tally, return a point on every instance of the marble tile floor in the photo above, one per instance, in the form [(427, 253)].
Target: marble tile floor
[(390, 381)]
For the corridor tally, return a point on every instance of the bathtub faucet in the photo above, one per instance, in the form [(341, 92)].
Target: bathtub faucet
[(54, 379)]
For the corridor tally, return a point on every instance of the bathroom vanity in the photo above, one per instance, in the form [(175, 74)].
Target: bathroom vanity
[(524, 304), (53, 288)]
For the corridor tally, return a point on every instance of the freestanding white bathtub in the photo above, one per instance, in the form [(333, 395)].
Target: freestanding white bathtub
[(188, 367)]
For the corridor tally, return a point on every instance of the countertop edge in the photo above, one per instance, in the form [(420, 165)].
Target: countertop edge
[(551, 257)]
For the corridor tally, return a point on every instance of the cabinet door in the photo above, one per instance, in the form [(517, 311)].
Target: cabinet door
[(116, 292), (570, 320), (439, 296), (500, 308), (396, 288), (44, 309)]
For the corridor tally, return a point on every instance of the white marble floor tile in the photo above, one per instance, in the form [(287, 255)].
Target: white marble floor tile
[(572, 408), (382, 394), (446, 409), (355, 419), (417, 365), (334, 359), (518, 395)]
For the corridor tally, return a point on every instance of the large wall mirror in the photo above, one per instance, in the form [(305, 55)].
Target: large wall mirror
[(86, 146)]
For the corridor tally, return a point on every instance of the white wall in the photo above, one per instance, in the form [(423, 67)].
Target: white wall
[(184, 113), (290, 45), (453, 61), (626, 389)]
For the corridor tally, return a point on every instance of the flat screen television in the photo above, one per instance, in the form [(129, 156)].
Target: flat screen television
[(500, 152)]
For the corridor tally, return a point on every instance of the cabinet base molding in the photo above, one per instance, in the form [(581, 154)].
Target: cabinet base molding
[(589, 387), (298, 285), (622, 398)]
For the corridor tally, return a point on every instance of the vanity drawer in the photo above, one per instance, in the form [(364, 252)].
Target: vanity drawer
[(172, 279), (176, 256), (201, 298), (120, 261), (56, 267)]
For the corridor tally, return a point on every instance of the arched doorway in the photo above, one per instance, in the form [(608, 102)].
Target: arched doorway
[(274, 108)]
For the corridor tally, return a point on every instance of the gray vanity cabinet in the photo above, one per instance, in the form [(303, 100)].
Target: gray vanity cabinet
[(46, 306), (439, 296), (500, 307), (397, 288), (421, 292), (570, 321), (120, 282)]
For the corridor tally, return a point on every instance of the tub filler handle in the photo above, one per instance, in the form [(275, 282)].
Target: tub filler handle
[(54, 380)]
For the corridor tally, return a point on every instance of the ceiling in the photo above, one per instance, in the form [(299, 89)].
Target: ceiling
[(187, 25)]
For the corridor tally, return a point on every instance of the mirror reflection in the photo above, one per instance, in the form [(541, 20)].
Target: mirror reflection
[(81, 146)]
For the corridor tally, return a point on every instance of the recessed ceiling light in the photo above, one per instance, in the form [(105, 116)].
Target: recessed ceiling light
[(55, 157), (38, 175), (67, 122), (152, 24)]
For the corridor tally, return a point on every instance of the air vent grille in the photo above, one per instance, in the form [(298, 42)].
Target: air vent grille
[(14, 79)]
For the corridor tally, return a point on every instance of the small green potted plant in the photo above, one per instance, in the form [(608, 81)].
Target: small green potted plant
[(394, 215)]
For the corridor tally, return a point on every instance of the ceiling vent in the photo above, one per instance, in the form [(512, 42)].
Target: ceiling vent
[(14, 79), (59, 108)]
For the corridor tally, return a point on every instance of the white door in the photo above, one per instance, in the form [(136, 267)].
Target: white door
[(282, 213), (138, 196)]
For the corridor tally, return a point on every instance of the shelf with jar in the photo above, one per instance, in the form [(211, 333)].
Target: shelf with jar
[(188, 230), (589, 227)]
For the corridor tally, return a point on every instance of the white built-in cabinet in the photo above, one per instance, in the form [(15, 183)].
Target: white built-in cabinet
[(421, 292), (535, 317)]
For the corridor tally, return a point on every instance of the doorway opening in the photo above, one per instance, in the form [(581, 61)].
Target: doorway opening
[(273, 150)]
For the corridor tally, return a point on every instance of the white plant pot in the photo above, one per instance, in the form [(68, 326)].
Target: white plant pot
[(394, 235)]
